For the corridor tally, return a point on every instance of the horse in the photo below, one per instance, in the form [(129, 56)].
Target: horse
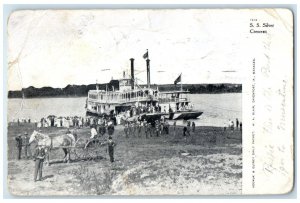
[(63, 141)]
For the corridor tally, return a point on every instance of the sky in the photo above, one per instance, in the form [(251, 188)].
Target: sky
[(57, 48)]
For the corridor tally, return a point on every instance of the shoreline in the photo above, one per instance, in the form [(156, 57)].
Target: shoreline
[(72, 96), (168, 164)]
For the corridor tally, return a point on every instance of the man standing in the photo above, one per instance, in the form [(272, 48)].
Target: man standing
[(149, 129), (139, 129), (185, 133), (193, 126), (237, 124), (111, 146), (39, 157), (174, 128), (188, 127), (167, 127), (19, 145), (27, 146), (110, 128), (157, 128), (241, 126), (161, 128), (126, 126), (145, 129)]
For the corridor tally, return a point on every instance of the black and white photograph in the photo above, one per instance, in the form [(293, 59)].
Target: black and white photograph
[(137, 101)]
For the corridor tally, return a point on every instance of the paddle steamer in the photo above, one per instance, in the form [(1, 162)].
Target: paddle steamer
[(126, 98)]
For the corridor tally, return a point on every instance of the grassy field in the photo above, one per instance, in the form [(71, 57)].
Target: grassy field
[(208, 162)]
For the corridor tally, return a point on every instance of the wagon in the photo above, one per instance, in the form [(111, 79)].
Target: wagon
[(83, 150), (88, 149)]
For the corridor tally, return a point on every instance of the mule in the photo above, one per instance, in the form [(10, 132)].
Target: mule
[(63, 141)]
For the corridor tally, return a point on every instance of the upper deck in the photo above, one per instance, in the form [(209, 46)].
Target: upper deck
[(174, 96), (121, 97)]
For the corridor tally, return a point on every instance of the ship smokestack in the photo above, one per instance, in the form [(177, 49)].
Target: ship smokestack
[(132, 72), (148, 72), (97, 87)]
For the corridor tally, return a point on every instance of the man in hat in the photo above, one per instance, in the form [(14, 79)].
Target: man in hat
[(27, 146), (19, 145), (111, 145), (39, 157)]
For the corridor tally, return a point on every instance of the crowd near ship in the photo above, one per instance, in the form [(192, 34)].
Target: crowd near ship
[(128, 100)]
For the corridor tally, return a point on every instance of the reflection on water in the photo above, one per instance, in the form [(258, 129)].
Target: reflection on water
[(217, 108)]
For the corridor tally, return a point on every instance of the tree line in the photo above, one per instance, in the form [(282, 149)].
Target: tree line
[(82, 90)]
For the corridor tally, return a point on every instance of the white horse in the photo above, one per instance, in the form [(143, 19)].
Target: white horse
[(66, 140)]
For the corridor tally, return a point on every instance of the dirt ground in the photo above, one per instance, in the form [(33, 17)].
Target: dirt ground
[(208, 162)]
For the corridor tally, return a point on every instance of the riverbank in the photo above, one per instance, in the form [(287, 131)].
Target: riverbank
[(208, 162), (82, 90)]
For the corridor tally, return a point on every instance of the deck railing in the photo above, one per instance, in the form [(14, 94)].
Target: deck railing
[(102, 97), (168, 100), (117, 98)]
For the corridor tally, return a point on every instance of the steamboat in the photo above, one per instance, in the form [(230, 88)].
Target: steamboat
[(126, 99)]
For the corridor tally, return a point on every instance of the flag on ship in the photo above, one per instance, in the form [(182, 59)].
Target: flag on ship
[(146, 55), (177, 80)]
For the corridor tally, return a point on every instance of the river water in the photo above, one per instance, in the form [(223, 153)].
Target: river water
[(217, 108)]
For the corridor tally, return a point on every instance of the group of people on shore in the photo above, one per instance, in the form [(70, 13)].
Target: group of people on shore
[(23, 120), (63, 122), (140, 127), (66, 122), (101, 124), (22, 142), (238, 125), (158, 128)]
